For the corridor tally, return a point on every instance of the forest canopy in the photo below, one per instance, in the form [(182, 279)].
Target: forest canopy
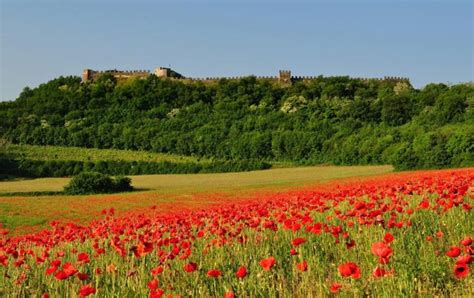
[(337, 120)]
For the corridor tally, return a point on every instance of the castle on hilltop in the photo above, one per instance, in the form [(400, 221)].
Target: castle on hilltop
[(162, 72), (284, 76)]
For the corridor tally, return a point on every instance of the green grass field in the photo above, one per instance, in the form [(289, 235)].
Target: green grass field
[(26, 213), (178, 183), (50, 153)]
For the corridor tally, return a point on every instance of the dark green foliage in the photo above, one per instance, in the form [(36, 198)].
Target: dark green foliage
[(396, 110), (123, 183), (336, 120), (93, 182), (449, 108), (58, 168)]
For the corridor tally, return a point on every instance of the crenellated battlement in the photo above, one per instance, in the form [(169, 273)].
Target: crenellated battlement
[(90, 75), (232, 78), (285, 78), (385, 78), (302, 78)]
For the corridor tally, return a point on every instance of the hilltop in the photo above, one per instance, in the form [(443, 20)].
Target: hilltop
[(337, 120)]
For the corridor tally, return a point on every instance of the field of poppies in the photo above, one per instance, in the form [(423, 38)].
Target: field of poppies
[(405, 234)]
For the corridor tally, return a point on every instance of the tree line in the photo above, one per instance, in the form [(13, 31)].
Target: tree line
[(67, 168), (337, 120)]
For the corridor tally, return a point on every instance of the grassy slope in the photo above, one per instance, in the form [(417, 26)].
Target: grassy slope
[(168, 192), (34, 152)]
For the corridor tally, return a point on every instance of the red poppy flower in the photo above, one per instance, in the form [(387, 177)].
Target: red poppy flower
[(82, 276), (83, 258), (229, 294), (461, 271), (349, 269), (60, 253), (142, 249), (213, 273), (293, 252), (466, 241), (158, 293), (425, 204), (303, 266), (465, 259), (51, 270), (388, 238), (153, 284), (268, 263), (241, 272), (380, 272), (45, 295), (61, 275), (350, 244), (3, 260), (298, 241), (86, 290), (190, 267), (453, 252), (466, 207), (55, 263), (381, 250), (157, 270), (69, 269), (335, 287)]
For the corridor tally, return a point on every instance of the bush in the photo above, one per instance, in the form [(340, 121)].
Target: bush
[(93, 182), (123, 184)]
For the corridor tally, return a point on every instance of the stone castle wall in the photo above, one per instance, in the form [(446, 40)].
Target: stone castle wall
[(90, 75), (284, 76)]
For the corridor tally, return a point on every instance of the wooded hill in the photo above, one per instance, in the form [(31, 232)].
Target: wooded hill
[(338, 120)]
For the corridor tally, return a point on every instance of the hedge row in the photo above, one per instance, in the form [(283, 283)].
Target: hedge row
[(39, 168)]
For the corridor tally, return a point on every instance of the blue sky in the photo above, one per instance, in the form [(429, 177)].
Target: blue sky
[(428, 41)]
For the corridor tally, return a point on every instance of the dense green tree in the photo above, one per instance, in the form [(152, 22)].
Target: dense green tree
[(449, 108), (325, 120), (396, 109)]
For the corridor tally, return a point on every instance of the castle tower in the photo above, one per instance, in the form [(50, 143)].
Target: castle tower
[(162, 72), (86, 75), (285, 77)]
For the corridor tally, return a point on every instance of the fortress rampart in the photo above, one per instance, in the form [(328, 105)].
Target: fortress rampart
[(284, 76), (90, 75)]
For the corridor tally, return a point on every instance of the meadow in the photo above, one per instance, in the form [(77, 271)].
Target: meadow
[(62, 153), (22, 213), (182, 183), (393, 235)]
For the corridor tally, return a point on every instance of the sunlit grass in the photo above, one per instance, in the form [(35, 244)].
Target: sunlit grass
[(51, 153), (168, 192)]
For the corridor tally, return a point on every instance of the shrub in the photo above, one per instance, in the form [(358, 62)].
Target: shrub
[(123, 184), (93, 182)]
